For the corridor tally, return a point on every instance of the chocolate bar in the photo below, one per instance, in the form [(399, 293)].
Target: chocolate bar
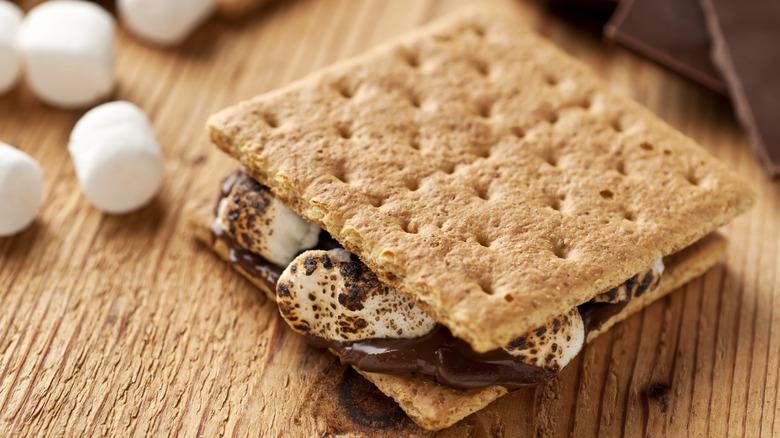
[(670, 32), (745, 42)]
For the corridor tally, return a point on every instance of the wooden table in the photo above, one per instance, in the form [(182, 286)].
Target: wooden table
[(125, 325)]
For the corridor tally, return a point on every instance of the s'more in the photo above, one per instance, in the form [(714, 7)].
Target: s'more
[(456, 212)]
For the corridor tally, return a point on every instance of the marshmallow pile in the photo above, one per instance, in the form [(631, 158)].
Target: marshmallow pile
[(67, 46), (68, 52), (21, 187), (118, 161), (259, 222)]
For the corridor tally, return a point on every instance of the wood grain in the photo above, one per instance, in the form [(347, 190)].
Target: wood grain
[(124, 325)]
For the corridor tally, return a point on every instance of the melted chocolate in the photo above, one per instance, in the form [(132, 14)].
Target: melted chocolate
[(594, 315), (254, 265), (451, 360)]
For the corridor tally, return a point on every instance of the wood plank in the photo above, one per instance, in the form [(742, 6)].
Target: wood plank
[(123, 325)]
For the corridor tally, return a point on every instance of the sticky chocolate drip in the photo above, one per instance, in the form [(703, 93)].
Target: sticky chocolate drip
[(452, 361), (327, 242), (254, 265), (594, 315)]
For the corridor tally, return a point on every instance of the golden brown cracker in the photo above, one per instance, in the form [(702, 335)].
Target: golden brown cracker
[(431, 405), (480, 170)]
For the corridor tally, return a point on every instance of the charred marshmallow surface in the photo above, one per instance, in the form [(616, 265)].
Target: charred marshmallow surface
[(334, 296), (552, 345), (634, 286), (330, 294), (337, 302), (259, 222)]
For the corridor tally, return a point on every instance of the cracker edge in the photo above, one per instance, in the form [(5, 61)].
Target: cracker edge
[(433, 406)]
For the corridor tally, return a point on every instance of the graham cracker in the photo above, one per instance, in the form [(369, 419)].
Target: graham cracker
[(483, 172), (434, 406)]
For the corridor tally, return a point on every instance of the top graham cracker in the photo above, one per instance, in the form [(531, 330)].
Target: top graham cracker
[(477, 168)]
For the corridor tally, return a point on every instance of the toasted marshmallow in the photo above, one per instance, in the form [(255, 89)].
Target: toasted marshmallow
[(552, 345), (164, 22), (21, 187), (635, 286), (10, 62), (332, 295), (68, 51), (259, 222), (118, 161)]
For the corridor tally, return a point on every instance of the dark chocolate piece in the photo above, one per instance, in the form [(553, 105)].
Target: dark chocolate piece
[(746, 35), (588, 15), (670, 32)]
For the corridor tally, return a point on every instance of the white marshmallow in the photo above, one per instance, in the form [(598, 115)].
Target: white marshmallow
[(10, 62), (659, 266), (553, 345), (68, 50), (164, 22), (262, 224), (118, 161), (330, 295), (21, 187)]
